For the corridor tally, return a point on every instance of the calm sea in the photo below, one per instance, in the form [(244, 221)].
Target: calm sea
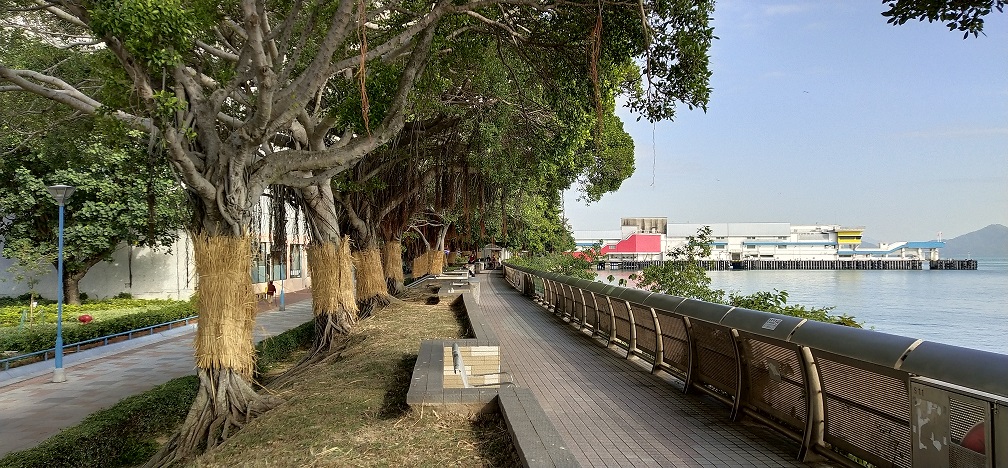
[(962, 308)]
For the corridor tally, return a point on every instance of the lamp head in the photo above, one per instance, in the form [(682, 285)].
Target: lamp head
[(60, 193)]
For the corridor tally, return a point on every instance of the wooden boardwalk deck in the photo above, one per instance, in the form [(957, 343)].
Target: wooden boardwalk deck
[(611, 411)]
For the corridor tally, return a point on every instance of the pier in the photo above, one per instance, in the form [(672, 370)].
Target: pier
[(953, 265), (775, 264)]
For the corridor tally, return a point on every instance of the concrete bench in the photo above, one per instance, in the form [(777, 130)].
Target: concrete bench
[(535, 438)]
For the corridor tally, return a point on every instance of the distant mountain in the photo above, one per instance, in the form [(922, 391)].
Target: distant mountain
[(989, 242)]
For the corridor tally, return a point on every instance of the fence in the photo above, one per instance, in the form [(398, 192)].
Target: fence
[(104, 340), (886, 399)]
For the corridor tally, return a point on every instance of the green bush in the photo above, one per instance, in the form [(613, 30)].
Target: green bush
[(46, 311), (43, 336), (277, 348), (563, 263), (123, 435), (126, 434)]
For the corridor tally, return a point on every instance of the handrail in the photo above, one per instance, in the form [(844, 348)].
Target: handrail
[(842, 392), (459, 365), (104, 339)]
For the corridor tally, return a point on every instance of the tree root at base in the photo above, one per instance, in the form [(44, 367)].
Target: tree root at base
[(367, 306), (225, 402)]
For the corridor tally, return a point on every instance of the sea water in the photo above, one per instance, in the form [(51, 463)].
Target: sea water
[(962, 308)]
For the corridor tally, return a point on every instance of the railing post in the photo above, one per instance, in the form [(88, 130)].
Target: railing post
[(814, 421), (659, 356), (691, 360), (740, 374), (632, 345), (612, 324)]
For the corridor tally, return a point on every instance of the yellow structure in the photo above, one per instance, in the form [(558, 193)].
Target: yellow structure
[(849, 236)]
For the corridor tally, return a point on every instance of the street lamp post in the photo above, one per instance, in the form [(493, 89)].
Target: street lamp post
[(60, 193)]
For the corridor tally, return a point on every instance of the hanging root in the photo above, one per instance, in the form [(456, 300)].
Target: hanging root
[(225, 403)]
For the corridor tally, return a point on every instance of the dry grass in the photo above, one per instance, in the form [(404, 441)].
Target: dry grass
[(352, 412)]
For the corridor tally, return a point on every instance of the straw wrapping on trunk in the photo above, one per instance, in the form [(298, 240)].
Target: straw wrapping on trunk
[(370, 275), (392, 264), (437, 261), (225, 303), (332, 278)]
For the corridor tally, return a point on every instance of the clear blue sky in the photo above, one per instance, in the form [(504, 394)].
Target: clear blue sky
[(821, 112)]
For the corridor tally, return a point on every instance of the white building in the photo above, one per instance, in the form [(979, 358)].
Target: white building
[(753, 241), (171, 273)]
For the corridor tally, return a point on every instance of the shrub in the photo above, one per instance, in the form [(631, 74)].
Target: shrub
[(276, 348), (43, 336), (126, 434), (123, 435)]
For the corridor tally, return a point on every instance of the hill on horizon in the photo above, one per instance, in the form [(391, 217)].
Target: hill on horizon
[(989, 242)]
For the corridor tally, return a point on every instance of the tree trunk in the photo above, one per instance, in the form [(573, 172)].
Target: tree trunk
[(71, 288), (436, 261), (225, 356), (392, 263), (331, 267), (333, 302), (372, 290)]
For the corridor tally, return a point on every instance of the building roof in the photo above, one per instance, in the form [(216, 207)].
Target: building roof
[(636, 243)]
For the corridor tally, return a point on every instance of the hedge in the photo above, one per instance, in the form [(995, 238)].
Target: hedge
[(42, 336), (10, 315)]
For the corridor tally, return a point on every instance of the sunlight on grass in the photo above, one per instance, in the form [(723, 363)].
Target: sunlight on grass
[(352, 412)]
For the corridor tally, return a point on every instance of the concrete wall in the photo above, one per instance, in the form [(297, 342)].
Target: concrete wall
[(142, 272)]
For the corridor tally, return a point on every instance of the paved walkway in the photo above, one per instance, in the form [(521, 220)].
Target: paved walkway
[(32, 408), (611, 411)]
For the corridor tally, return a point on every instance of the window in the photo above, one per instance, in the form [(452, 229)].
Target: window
[(295, 260), (719, 247), (750, 246), (782, 246), (751, 237), (259, 262)]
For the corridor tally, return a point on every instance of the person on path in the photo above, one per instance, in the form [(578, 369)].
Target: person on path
[(270, 291)]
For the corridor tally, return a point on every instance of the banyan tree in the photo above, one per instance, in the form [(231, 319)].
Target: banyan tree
[(246, 94)]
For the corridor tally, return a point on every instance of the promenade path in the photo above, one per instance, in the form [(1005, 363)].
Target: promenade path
[(32, 408), (612, 411)]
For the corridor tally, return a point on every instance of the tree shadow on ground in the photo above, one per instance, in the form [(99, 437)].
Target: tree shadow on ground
[(394, 404)]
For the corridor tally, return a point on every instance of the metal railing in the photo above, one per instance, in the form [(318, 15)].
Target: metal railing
[(839, 391), (76, 347)]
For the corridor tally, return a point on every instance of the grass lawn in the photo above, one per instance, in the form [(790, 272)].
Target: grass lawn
[(352, 411)]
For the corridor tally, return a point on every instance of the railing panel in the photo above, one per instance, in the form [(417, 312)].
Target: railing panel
[(866, 412), (622, 313), (675, 343), (579, 305), (591, 311), (647, 337), (716, 363), (776, 381), (569, 305), (604, 316)]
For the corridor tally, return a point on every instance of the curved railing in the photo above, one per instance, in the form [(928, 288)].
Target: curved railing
[(885, 399)]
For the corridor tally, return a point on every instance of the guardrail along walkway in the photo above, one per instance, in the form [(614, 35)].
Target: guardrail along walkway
[(612, 411)]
